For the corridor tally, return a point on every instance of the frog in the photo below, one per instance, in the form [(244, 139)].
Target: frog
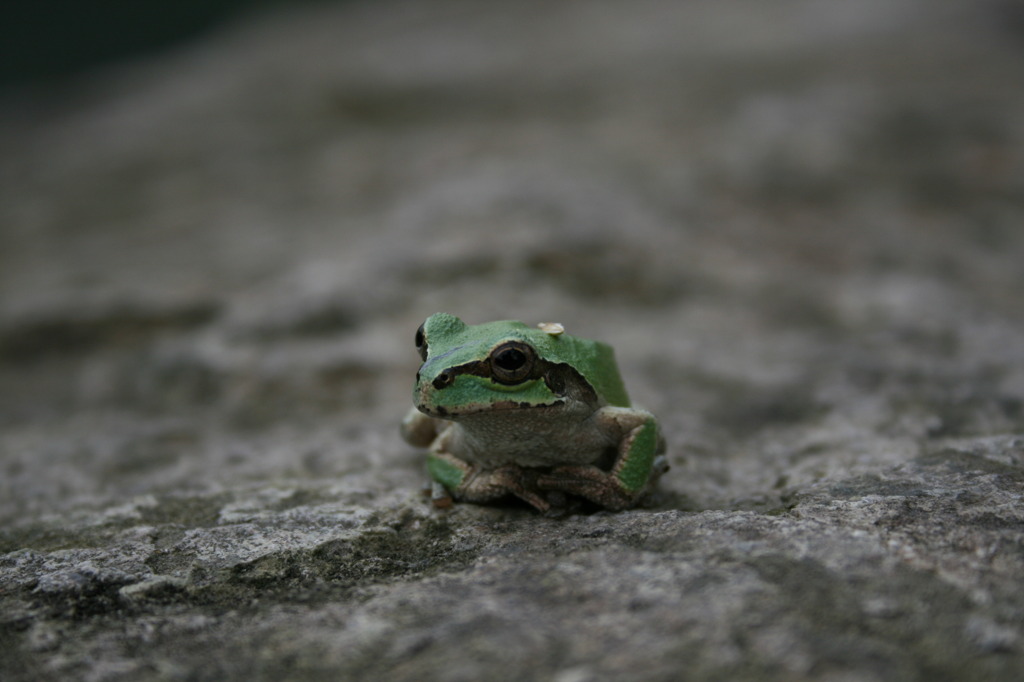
[(508, 410)]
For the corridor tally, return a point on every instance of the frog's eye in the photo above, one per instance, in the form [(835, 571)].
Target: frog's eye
[(512, 362), (421, 343)]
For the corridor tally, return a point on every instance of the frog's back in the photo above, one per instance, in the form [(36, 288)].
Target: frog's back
[(598, 365)]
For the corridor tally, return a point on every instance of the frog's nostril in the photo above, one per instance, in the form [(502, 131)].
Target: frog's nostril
[(444, 379)]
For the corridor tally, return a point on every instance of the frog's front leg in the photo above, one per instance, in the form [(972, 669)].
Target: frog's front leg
[(420, 430), (454, 477), (639, 462)]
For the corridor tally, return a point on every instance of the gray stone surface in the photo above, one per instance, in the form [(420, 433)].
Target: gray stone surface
[(800, 224)]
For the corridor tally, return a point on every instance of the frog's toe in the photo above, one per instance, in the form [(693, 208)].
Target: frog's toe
[(590, 483), (521, 483), (440, 497)]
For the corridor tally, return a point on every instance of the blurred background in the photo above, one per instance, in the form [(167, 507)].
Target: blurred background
[(60, 39), (799, 222)]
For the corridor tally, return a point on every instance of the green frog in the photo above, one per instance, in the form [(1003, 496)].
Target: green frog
[(506, 409)]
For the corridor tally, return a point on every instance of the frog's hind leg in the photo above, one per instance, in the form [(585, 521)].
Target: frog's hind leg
[(638, 464), (455, 478)]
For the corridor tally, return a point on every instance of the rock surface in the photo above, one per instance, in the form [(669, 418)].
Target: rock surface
[(799, 223)]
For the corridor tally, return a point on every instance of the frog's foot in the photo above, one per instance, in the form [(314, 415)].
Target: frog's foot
[(455, 478), (439, 496), (592, 483), (659, 468), (520, 482)]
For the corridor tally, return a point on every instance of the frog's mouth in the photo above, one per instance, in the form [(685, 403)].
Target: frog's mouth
[(443, 412)]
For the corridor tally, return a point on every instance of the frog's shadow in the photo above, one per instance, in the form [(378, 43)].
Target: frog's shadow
[(657, 500)]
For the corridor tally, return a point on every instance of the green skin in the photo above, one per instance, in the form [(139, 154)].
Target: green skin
[(507, 409)]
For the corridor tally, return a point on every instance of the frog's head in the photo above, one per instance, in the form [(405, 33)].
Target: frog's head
[(469, 369)]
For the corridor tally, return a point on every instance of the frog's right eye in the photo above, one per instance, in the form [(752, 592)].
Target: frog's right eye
[(512, 362), (421, 343)]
